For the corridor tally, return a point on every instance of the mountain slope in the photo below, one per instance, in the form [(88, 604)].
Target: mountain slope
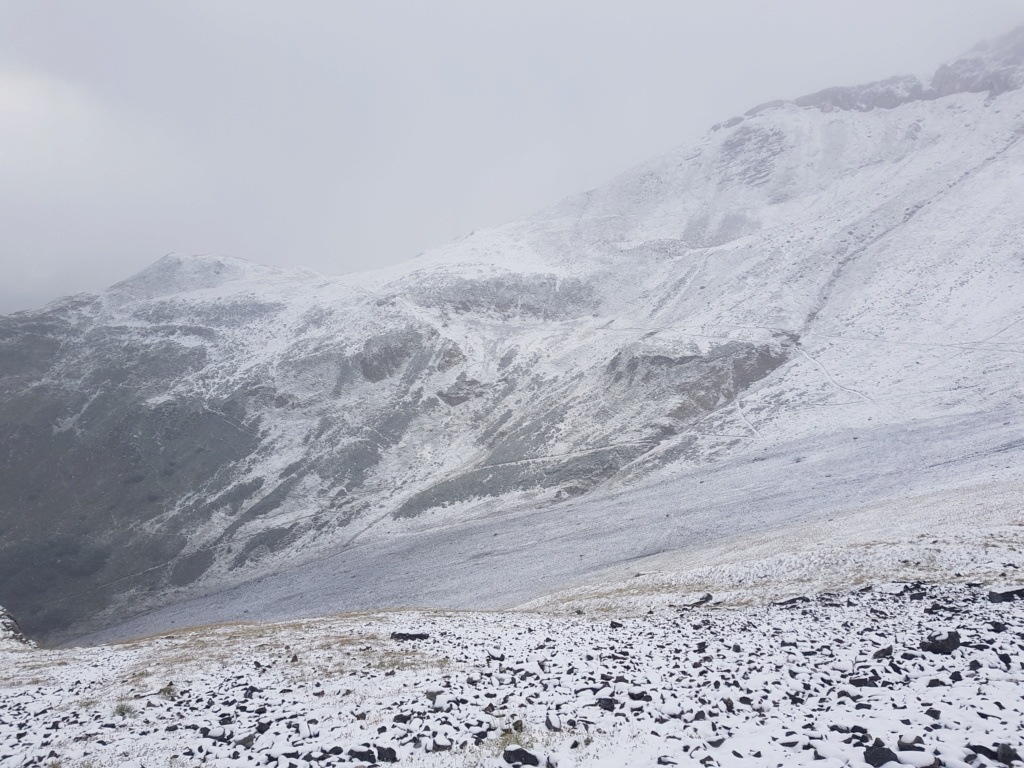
[(849, 264)]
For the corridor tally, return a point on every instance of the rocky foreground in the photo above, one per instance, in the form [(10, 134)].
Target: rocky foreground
[(921, 675)]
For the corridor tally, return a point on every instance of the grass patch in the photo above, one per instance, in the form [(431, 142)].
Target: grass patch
[(169, 691), (513, 732)]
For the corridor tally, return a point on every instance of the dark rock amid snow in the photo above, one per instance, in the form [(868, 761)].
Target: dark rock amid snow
[(712, 686), (9, 629), (404, 636), (878, 755), (516, 755), (362, 754), (886, 94), (944, 642), (387, 755), (1002, 753), (461, 391), (1005, 594)]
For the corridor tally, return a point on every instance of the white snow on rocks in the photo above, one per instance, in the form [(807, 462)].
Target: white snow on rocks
[(10, 632), (926, 675)]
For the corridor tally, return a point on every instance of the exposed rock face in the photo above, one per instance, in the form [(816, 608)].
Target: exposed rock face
[(209, 420), (152, 437), (509, 297), (9, 629), (992, 67)]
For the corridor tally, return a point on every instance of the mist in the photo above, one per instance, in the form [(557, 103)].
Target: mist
[(344, 137)]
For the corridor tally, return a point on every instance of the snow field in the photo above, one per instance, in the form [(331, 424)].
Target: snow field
[(817, 679)]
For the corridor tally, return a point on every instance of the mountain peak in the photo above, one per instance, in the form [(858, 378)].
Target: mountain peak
[(995, 66), (1008, 46), (180, 273)]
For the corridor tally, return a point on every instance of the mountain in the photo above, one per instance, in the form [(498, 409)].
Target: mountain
[(835, 281)]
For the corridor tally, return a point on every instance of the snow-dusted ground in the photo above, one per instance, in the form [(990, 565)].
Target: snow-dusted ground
[(833, 679), (972, 534), (736, 679)]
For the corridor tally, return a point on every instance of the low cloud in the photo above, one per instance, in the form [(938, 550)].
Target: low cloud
[(349, 136)]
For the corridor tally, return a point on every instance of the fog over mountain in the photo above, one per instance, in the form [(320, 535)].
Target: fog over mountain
[(349, 136), (816, 305)]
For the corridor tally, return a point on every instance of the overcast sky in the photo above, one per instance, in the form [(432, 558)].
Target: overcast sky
[(342, 136)]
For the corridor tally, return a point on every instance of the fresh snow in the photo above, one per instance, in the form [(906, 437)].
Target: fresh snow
[(719, 464), (543, 383), (933, 673)]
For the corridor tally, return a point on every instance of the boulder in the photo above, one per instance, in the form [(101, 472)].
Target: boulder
[(516, 755), (386, 755), (1005, 594), (878, 754), (941, 642)]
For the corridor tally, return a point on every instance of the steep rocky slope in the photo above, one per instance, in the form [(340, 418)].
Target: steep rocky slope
[(849, 264)]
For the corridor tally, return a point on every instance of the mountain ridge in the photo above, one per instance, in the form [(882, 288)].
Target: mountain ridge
[(209, 421)]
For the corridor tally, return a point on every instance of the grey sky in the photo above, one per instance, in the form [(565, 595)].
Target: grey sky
[(347, 135)]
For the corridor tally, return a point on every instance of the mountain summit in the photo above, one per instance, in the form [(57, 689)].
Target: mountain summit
[(818, 304)]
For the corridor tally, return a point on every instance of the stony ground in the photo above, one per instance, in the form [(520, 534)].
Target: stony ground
[(923, 675)]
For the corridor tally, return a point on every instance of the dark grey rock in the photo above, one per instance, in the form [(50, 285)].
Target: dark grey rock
[(1000, 753), (386, 755), (886, 94), (366, 754), (941, 642), (510, 296), (607, 704), (9, 628), (793, 601), (1006, 754), (911, 744), (517, 755), (878, 754), (1006, 594), (462, 391)]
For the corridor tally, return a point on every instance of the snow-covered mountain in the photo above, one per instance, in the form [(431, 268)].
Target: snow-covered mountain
[(848, 266)]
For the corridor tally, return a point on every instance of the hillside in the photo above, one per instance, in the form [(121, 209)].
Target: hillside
[(817, 306), (889, 673)]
